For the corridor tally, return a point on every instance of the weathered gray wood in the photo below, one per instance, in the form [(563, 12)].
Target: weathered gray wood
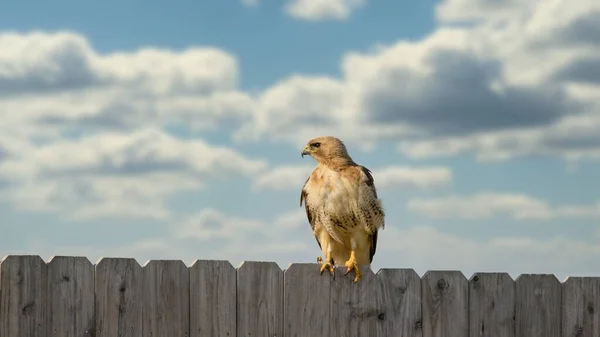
[(118, 298), (491, 305), (445, 296), (71, 296), (166, 298), (353, 306), (306, 301), (538, 306), (212, 299), (581, 307), (400, 298), (23, 296), (259, 299)]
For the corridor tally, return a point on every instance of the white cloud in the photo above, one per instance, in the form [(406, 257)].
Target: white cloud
[(117, 174), (287, 177), (251, 3), (572, 138), (499, 90), (293, 109), (487, 205), (51, 83), (428, 248), (316, 10), (82, 133), (283, 177), (210, 224), (291, 220), (238, 238), (55, 85), (479, 10), (412, 177), (431, 249)]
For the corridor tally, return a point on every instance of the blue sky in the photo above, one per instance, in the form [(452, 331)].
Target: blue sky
[(153, 131)]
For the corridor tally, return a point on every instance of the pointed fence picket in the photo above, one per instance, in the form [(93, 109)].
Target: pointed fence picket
[(71, 297)]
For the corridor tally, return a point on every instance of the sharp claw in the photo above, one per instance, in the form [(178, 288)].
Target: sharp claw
[(352, 265), (325, 265)]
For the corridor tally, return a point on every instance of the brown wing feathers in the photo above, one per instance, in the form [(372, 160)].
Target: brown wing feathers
[(309, 214), (373, 237)]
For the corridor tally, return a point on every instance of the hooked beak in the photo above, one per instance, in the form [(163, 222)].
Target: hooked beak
[(306, 151)]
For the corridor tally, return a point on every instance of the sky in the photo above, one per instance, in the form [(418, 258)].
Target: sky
[(157, 131)]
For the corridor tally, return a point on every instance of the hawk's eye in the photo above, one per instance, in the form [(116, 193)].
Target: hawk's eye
[(315, 144)]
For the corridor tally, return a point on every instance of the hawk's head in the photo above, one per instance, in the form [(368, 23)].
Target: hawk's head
[(325, 148)]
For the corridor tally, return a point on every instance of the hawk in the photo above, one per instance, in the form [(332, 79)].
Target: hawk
[(342, 207)]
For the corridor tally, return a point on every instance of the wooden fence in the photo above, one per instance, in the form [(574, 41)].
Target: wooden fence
[(70, 297)]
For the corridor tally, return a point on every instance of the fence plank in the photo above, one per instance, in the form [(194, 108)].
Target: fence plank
[(71, 296), (353, 306), (445, 296), (23, 296), (306, 301), (581, 307), (118, 298), (212, 299), (538, 306), (166, 296), (492, 305), (400, 296), (259, 298)]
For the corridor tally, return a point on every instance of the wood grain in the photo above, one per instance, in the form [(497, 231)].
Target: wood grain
[(306, 301), (491, 305), (23, 296), (354, 310), (71, 296), (166, 298), (118, 298), (399, 297), (581, 307), (538, 306), (259, 300), (445, 296), (212, 299), (68, 296)]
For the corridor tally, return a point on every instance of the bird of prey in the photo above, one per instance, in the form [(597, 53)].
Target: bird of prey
[(342, 207)]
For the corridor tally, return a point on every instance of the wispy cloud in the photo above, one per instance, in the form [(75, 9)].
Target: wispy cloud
[(489, 204), (317, 10)]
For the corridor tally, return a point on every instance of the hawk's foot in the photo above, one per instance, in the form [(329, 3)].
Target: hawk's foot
[(351, 265), (325, 265)]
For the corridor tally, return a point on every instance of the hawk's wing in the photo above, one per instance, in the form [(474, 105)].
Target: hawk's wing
[(373, 203), (309, 211)]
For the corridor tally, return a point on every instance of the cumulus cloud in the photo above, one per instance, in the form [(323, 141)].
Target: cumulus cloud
[(117, 174), (431, 249), (316, 10), (427, 247), (238, 238), (283, 177), (74, 86), (478, 10), (293, 177), (496, 90), (290, 220), (573, 138), (84, 133), (413, 177), (211, 224), (487, 205)]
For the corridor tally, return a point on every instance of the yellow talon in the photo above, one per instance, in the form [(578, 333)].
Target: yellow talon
[(325, 265), (351, 265)]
